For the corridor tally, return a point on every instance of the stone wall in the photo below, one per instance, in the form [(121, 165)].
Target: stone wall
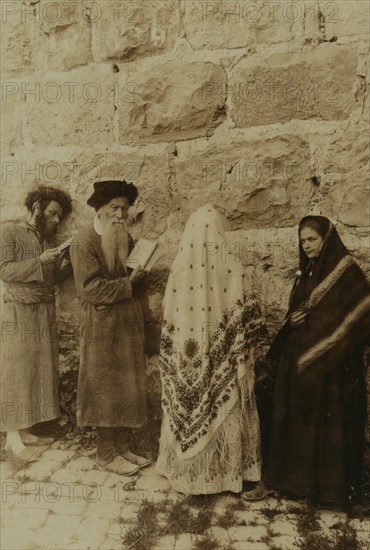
[(261, 107)]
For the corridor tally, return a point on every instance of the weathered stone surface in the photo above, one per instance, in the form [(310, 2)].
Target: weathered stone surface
[(341, 19), (110, 510), (58, 455), (165, 543), (18, 41), (270, 258), (287, 542), (312, 83), (87, 524), (111, 543), (184, 541), (344, 176), (233, 24), (76, 110), (6, 471), (69, 506), (128, 512), (152, 483), (285, 528), (243, 545), (11, 117), (50, 537), (91, 532), (17, 539), (65, 522), (93, 477), (42, 468), (170, 102), (129, 30), (65, 34), (28, 518), (247, 533), (258, 183), (220, 534), (82, 464)]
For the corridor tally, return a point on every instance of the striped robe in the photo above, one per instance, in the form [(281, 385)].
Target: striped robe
[(29, 356)]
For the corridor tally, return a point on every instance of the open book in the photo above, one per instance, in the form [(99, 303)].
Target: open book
[(145, 253)]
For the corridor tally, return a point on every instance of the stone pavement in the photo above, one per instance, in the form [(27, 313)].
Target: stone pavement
[(64, 502)]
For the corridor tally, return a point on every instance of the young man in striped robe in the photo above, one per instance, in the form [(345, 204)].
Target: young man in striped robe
[(30, 266)]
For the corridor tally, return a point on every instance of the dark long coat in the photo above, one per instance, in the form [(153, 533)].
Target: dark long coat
[(112, 377), (316, 439)]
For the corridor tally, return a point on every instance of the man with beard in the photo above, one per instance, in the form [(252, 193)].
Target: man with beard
[(111, 393), (29, 268)]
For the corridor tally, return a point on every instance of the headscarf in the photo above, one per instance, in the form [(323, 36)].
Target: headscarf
[(208, 322), (312, 272), (334, 293)]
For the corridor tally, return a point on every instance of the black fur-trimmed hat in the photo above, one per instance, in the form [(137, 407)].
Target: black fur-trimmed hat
[(105, 191)]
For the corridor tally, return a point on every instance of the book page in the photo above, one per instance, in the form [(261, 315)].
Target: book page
[(141, 254)]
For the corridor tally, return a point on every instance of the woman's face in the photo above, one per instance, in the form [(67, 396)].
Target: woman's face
[(311, 242)]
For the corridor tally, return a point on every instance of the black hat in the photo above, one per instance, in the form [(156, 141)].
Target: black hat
[(105, 191)]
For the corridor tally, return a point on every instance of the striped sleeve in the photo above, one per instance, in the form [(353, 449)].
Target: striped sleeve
[(15, 270)]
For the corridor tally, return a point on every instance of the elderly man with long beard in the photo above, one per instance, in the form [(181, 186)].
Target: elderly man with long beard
[(30, 265), (111, 393)]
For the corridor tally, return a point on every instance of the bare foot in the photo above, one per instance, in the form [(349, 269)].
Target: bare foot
[(14, 442)]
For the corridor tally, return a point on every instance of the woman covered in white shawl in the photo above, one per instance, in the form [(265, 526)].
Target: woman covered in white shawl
[(210, 440)]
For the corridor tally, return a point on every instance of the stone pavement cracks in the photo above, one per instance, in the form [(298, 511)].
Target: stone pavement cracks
[(63, 501)]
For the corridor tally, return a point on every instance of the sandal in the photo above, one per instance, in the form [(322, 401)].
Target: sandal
[(119, 465), (141, 461), (40, 441), (258, 493)]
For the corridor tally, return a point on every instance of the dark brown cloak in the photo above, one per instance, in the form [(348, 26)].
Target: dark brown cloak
[(112, 376), (316, 434)]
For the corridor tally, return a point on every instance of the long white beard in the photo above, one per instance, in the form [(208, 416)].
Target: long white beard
[(114, 242)]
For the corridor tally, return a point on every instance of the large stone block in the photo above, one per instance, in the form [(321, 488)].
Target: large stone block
[(270, 260), (74, 110), (310, 83), (19, 47), (128, 30), (65, 33), (171, 101), (345, 177), (11, 118), (234, 24), (345, 18), (259, 183)]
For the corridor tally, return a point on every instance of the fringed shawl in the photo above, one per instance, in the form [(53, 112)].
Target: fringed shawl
[(209, 320)]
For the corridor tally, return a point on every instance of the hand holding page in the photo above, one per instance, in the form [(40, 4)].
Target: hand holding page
[(62, 247), (145, 253)]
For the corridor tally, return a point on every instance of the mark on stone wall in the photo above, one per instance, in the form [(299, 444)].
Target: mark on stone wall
[(157, 35), (315, 180)]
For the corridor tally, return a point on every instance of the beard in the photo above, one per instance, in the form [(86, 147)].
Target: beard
[(115, 242), (44, 227)]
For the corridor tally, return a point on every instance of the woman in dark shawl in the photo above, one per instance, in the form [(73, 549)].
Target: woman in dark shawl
[(316, 440)]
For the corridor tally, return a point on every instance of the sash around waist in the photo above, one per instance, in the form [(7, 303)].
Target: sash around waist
[(43, 293)]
